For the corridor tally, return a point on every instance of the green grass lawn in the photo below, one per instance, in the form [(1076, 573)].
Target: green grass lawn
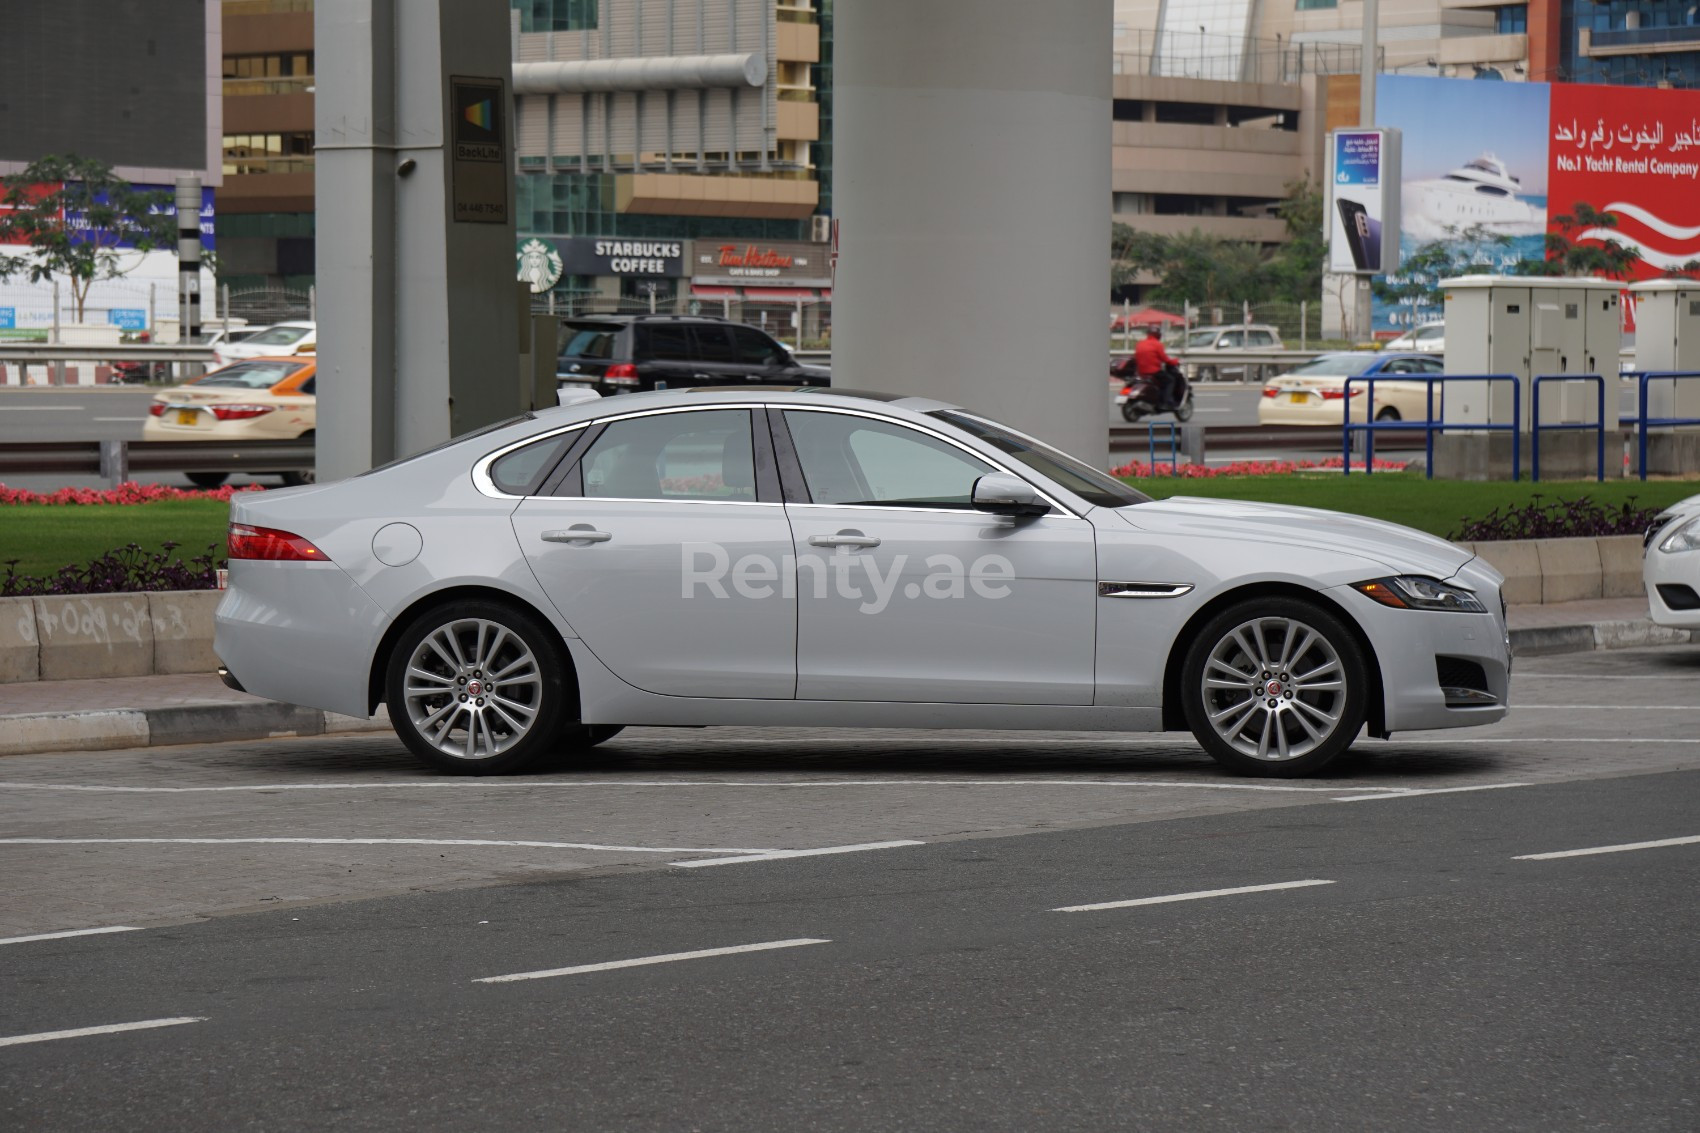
[(46, 538), (1436, 506)]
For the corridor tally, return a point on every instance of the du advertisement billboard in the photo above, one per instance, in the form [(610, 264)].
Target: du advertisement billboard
[(1491, 168), (1363, 201)]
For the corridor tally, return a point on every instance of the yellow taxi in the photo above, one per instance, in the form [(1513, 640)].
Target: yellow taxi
[(252, 400)]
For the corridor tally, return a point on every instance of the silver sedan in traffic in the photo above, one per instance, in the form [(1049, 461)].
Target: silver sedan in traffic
[(831, 559)]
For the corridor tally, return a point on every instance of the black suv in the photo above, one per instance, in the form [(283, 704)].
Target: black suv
[(630, 353)]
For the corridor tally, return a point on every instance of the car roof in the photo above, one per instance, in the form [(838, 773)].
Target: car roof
[(697, 397), (644, 318)]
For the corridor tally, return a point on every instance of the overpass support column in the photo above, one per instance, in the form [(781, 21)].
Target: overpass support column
[(972, 190)]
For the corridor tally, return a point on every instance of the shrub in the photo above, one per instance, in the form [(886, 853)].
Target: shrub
[(125, 570), (1557, 519), (128, 492)]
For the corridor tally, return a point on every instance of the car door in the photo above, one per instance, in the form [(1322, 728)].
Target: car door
[(670, 555), (762, 359), (906, 593), (714, 358)]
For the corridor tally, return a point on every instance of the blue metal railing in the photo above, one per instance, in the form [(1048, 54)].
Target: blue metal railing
[(1536, 428), (1174, 433), (1643, 422), (1369, 426)]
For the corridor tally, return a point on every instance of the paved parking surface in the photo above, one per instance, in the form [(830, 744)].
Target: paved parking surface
[(162, 835)]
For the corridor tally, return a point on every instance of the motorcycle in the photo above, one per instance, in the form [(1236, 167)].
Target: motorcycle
[(138, 373), (1141, 396)]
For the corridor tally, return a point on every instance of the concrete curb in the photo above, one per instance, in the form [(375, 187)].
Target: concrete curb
[(102, 729), (1541, 641)]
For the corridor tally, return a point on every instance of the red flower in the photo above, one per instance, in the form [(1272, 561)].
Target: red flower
[(128, 492)]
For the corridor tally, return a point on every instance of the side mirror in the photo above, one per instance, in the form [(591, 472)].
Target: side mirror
[(1003, 494)]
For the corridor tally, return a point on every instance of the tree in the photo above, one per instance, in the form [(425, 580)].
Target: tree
[(1295, 270), (1417, 285), (1133, 252), (74, 214), (1565, 256)]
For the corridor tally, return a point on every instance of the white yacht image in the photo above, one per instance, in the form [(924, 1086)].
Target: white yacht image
[(1481, 191)]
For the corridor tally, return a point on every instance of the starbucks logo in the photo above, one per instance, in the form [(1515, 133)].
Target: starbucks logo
[(539, 265)]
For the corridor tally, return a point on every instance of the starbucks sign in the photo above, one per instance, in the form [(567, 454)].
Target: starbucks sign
[(539, 265)]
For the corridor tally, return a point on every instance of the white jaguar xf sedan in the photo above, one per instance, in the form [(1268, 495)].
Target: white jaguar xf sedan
[(1671, 566), (833, 559)]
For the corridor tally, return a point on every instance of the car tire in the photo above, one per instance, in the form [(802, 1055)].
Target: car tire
[(1287, 652), (297, 479), (1388, 414), (440, 701), (207, 479), (1206, 374)]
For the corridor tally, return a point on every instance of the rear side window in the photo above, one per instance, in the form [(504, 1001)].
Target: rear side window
[(713, 344), (667, 342), (585, 340), (1261, 338), (521, 471)]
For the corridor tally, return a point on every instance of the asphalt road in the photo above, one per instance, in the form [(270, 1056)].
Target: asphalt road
[(1388, 955)]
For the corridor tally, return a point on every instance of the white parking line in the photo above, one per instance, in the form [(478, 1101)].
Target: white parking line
[(776, 855), (1415, 792), (1427, 742), (1620, 707), (1660, 844), (1199, 896), (583, 784), (378, 842), (580, 969), (110, 1029), (72, 932)]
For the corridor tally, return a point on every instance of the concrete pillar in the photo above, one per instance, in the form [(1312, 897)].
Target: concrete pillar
[(414, 184), (972, 190)]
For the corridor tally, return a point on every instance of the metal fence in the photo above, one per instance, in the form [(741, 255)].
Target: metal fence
[(1204, 55)]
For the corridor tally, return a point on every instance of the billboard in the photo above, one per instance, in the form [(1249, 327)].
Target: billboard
[(1363, 201), (1489, 167)]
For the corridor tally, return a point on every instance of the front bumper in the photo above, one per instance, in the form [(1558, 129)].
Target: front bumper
[(1417, 647), (1678, 574)]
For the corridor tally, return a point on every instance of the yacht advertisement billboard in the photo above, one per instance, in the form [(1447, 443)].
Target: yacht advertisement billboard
[(1489, 167)]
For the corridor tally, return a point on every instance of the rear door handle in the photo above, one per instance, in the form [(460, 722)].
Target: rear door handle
[(844, 539), (577, 533)]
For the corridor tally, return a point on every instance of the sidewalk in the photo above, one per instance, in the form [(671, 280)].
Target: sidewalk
[(42, 716)]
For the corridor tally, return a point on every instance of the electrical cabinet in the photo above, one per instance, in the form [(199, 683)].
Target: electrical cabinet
[(1528, 327), (1667, 339)]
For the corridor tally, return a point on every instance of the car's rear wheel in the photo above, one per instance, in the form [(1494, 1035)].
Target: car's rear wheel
[(207, 479), (305, 476), (1276, 687), (475, 687), (1388, 414)]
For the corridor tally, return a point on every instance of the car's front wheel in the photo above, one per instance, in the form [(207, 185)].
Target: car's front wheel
[(1276, 687), (207, 479), (475, 687)]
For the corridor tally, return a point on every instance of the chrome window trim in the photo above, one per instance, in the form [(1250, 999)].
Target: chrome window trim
[(936, 435), (481, 470), (657, 500)]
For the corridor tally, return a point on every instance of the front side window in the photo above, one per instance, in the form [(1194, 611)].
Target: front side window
[(858, 461), (1082, 479), (701, 455), (754, 347)]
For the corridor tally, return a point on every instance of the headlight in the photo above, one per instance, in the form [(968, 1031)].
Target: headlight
[(1684, 537), (1414, 592)]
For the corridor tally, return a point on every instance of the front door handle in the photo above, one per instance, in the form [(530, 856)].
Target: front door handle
[(844, 539), (577, 533)]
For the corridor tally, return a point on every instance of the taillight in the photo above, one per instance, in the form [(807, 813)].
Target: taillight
[(1337, 394), (621, 374), (156, 409), (1271, 391), (247, 542), (240, 412)]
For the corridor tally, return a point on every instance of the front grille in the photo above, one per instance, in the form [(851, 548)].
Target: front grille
[(1457, 672), (1679, 596)]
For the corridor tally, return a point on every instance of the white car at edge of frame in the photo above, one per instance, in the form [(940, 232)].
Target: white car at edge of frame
[(834, 559), (1670, 566)]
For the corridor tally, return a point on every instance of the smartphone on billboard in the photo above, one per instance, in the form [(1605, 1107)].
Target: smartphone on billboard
[(1363, 235)]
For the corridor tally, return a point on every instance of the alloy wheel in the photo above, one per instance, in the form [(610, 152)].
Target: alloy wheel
[(1274, 689), (473, 689)]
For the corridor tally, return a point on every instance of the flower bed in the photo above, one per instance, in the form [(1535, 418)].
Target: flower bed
[(1139, 470), (128, 492)]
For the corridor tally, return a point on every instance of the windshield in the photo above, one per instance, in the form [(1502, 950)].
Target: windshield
[(1334, 366), (279, 336), (1097, 488), (251, 375)]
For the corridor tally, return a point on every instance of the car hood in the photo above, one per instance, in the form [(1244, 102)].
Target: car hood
[(1401, 549)]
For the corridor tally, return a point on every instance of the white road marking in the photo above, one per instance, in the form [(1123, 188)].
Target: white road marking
[(47, 409), (379, 842), (1660, 844), (1416, 791), (72, 932), (109, 1029), (1603, 677), (1620, 707), (1545, 740), (481, 784), (776, 855), (132, 418), (579, 969), (1199, 896)]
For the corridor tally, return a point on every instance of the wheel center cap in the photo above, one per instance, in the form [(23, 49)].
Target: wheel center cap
[(474, 688), (1273, 688)]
